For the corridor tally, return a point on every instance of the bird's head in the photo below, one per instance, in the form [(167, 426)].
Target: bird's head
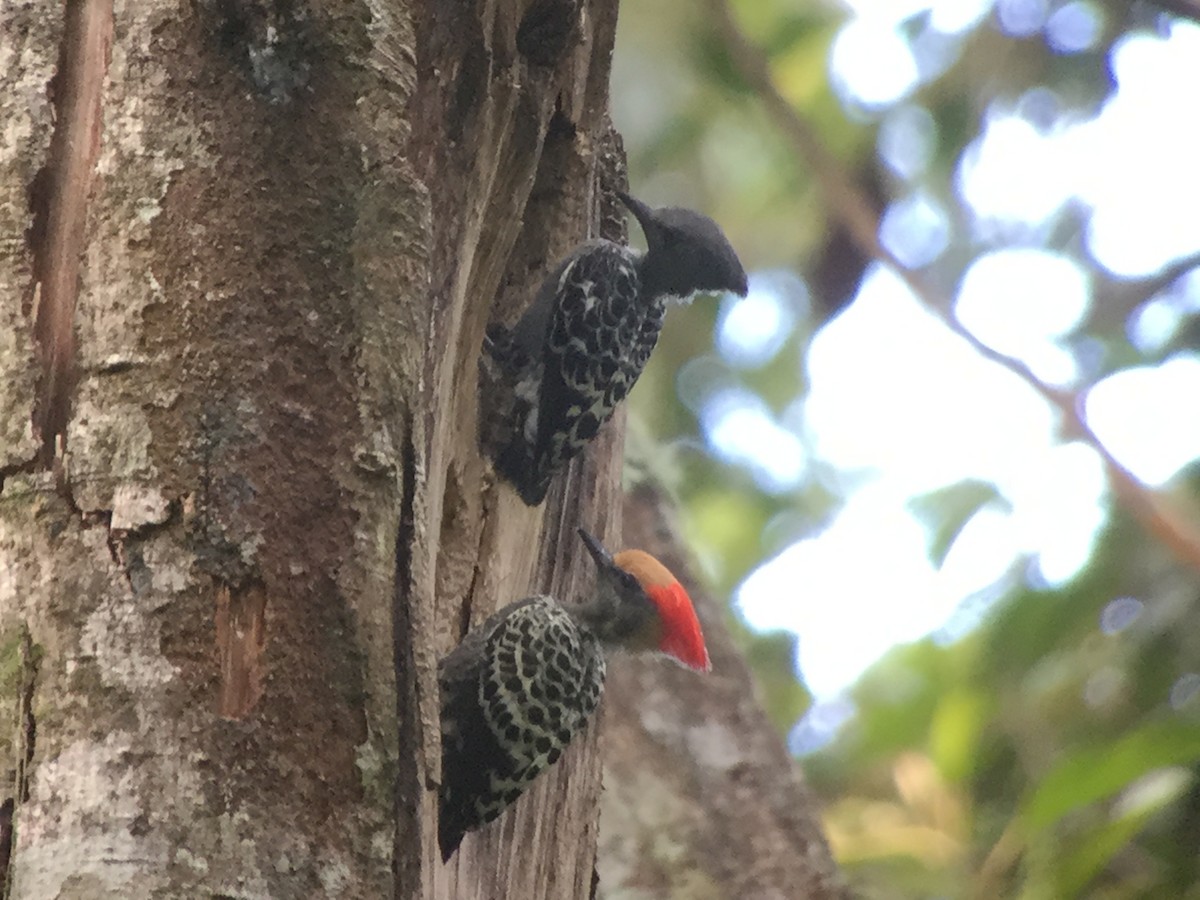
[(639, 605), (686, 251)]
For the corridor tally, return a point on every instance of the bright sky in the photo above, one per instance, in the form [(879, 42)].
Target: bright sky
[(903, 407)]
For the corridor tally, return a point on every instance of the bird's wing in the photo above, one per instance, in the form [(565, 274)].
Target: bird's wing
[(536, 680), (468, 744), (543, 678), (591, 353)]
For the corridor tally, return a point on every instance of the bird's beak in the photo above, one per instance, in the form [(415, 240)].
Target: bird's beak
[(641, 212), (602, 557)]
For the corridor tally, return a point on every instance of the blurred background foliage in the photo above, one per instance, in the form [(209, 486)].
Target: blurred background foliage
[(1042, 738)]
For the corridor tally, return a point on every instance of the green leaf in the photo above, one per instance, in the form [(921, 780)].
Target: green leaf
[(954, 732), (772, 659), (1088, 854), (1094, 773), (945, 511)]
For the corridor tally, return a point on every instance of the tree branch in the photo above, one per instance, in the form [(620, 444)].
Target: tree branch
[(846, 203)]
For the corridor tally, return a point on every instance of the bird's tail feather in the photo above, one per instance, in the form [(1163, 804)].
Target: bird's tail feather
[(450, 835), (515, 465)]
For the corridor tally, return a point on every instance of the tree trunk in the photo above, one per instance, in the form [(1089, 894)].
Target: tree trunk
[(701, 798), (252, 248)]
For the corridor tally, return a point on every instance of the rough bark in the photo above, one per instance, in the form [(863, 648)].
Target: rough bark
[(512, 139), (192, 590), (701, 798), (250, 250)]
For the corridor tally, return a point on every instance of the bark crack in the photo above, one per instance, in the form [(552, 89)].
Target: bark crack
[(406, 856), (59, 200), (468, 603), (486, 540), (24, 467), (29, 657)]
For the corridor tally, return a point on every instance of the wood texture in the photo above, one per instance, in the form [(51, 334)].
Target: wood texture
[(520, 162), (204, 566), (242, 508)]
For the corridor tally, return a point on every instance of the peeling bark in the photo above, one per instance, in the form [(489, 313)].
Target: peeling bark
[(60, 199)]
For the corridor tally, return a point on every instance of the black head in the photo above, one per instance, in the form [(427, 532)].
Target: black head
[(618, 607), (686, 252), (606, 567)]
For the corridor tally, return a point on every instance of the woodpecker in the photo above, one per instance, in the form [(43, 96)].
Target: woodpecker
[(523, 684), (582, 344)]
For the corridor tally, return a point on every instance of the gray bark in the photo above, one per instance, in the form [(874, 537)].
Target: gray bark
[(701, 798), (191, 579), (243, 511)]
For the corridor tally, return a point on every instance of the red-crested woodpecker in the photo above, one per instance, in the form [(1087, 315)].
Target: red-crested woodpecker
[(523, 684), (579, 348)]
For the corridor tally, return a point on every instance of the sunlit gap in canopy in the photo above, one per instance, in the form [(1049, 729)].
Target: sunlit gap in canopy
[(737, 424), (866, 582), (1131, 166), (901, 407), (911, 408)]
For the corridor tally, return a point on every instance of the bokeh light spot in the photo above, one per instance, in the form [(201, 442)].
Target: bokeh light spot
[(1119, 614), (907, 140), (871, 64), (1074, 27), (1136, 414), (916, 230)]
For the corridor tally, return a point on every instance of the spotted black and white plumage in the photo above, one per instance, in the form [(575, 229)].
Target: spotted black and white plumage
[(556, 377), (519, 687), (512, 699)]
